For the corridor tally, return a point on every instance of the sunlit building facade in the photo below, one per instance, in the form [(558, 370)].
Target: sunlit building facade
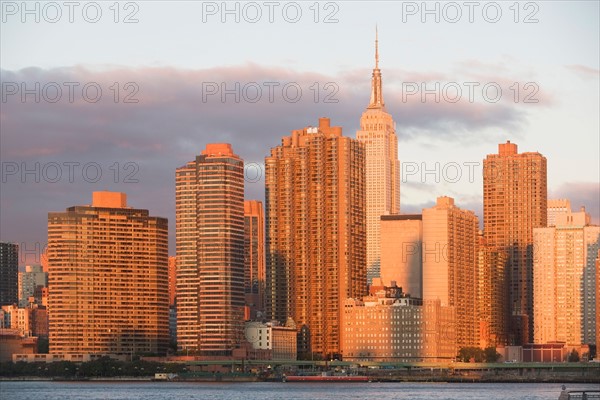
[(278, 342), (172, 280), (210, 252), (254, 256), (597, 302), (450, 264), (565, 280), (555, 207), (108, 279), (492, 295), (514, 203), (401, 252), (390, 326), (378, 133), (315, 232)]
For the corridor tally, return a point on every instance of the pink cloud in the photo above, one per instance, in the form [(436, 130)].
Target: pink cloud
[(584, 72)]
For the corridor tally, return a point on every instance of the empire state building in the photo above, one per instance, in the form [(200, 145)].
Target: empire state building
[(378, 133)]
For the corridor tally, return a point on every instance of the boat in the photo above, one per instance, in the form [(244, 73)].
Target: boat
[(325, 378)]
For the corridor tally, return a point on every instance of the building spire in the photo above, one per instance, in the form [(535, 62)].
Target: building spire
[(376, 48), (376, 89)]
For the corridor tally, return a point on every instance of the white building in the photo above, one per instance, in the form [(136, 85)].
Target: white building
[(564, 280), (279, 340), (378, 133)]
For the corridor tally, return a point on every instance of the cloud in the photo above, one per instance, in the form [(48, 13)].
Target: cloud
[(584, 72), (142, 123), (586, 194)]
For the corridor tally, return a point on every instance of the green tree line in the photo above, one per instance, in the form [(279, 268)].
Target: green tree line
[(102, 367)]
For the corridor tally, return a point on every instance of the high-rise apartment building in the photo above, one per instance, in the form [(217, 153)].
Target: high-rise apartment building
[(9, 273), (565, 279), (401, 248), (515, 202), (450, 264), (186, 183), (254, 256), (173, 299), (378, 133), (31, 282), (555, 207), (492, 295), (597, 303), (108, 279), (172, 280), (210, 252), (315, 232)]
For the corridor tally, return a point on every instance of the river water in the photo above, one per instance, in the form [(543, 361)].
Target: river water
[(279, 391)]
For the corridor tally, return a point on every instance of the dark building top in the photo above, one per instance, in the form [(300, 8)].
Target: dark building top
[(401, 217)]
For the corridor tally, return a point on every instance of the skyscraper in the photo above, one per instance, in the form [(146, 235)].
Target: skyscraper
[(514, 202), (491, 295), (31, 282), (450, 264), (315, 232), (378, 133), (254, 255), (108, 279), (186, 235), (565, 279), (172, 280), (401, 246), (9, 273), (597, 302), (210, 252)]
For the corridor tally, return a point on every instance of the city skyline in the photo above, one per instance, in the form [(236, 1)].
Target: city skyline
[(147, 149), (241, 194)]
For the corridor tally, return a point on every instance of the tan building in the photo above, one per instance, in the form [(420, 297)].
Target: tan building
[(12, 342), (556, 206), (279, 341), (401, 248), (254, 256), (210, 252), (108, 279), (389, 326), (29, 321), (378, 133), (315, 232), (450, 264), (186, 235), (172, 280), (515, 202), (491, 295), (564, 280)]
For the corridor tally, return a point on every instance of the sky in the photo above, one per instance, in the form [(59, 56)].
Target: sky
[(117, 95)]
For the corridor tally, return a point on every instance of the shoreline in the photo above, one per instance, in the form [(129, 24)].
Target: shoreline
[(225, 379)]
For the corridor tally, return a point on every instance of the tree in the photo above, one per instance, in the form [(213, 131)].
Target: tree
[(573, 356), (491, 355), (465, 354), (42, 345)]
